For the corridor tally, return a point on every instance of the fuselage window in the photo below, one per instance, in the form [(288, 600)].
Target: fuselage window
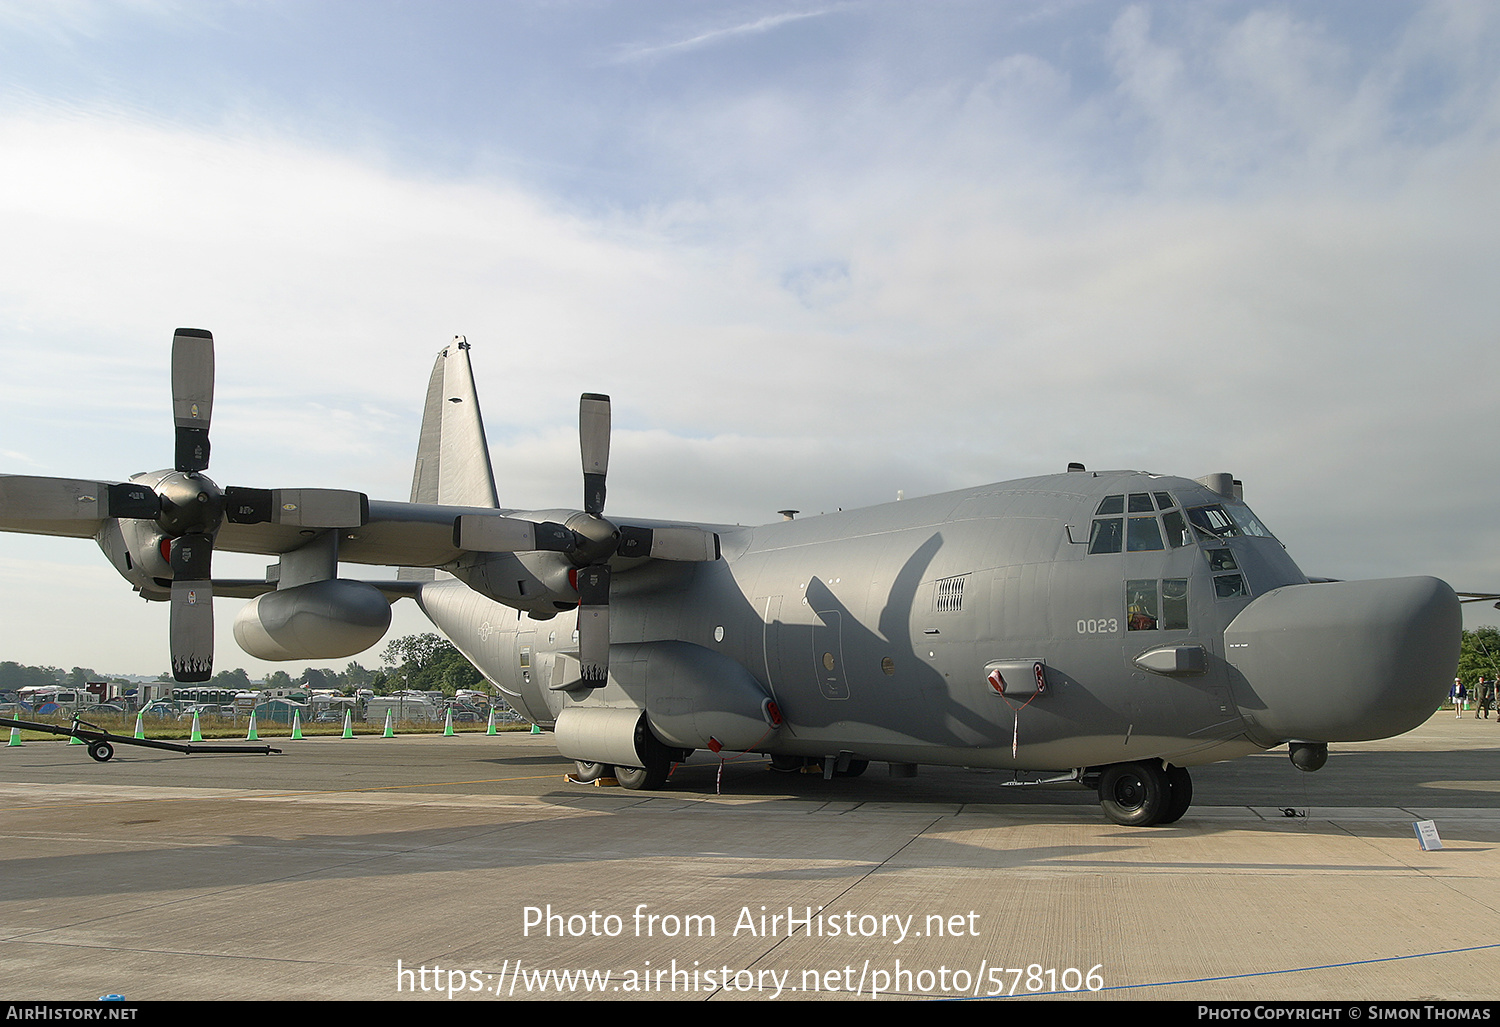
[(1220, 560), (1111, 505), (1140, 502), (1163, 500), (1174, 604), (1152, 605), (1141, 605), (1230, 586)]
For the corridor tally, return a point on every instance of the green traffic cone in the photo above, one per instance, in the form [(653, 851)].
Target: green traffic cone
[(348, 724), (251, 736), (15, 737), (448, 724), (296, 724), (535, 729), (197, 736), (140, 729), (491, 729), (389, 733)]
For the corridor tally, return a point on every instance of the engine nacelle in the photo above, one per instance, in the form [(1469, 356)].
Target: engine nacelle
[(321, 620)]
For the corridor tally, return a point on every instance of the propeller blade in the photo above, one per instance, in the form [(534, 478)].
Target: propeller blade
[(688, 545), (192, 609), (130, 499), (493, 533), (593, 624), (192, 395), (26, 501), (300, 508), (593, 439)]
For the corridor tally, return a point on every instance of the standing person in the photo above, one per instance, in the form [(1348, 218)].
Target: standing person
[(1457, 695), (1485, 694)]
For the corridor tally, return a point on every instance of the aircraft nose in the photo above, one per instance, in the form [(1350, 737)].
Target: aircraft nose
[(1343, 661)]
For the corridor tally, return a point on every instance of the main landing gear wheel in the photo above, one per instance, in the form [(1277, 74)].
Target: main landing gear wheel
[(643, 779), (101, 751), (1135, 794), (657, 757), (588, 772)]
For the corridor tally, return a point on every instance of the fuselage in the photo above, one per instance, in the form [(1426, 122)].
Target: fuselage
[(1058, 622)]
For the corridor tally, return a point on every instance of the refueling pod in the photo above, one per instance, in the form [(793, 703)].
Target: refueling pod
[(320, 620)]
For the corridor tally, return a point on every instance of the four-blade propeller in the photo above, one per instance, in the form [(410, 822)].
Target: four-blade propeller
[(186, 506), (589, 540)]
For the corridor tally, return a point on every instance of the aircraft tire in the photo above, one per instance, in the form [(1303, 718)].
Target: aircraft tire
[(101, 751), (1180, 784), (1135, 794), (588, 772), (788, 764), (643, 779)]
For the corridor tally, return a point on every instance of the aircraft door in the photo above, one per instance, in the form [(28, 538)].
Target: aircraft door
[(828, 654)]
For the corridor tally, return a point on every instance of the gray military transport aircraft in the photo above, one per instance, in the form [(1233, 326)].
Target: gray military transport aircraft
[(1112, 628)]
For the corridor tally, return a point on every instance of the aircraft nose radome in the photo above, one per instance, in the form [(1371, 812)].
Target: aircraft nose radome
[(1343, 661)]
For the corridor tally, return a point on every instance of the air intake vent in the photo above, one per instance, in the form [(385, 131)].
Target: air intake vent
[(950, 594)]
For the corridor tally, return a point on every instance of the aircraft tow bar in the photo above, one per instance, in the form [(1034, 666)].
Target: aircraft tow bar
[(102, 743)]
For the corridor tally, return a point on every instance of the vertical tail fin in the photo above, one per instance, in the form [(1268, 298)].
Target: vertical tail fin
[(453, 458)]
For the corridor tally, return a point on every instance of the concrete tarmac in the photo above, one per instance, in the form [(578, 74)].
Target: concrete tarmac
[(421, 866)]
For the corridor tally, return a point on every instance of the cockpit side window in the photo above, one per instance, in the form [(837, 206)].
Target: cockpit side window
[(1106, 535), (1177, 529)]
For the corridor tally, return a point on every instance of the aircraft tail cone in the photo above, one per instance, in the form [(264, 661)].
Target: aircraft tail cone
[(348, 724), (251, 736), (448, 724), (15, 738), (197, 735), (296, 724), (390, 731)]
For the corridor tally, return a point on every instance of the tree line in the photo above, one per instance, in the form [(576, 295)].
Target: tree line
[(426, 662)]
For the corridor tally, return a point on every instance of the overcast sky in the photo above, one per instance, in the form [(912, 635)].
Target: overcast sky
[(816, 252)]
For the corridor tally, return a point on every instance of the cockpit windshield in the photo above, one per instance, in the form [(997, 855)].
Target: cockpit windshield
[(1226, 520), (1143, 521)]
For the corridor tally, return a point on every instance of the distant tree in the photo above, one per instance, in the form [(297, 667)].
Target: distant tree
[(312, 677), (279, 679), (428, 663), (236, 679), (1479, 655)]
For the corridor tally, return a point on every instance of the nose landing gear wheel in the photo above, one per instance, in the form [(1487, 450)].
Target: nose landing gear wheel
[(1135, 794), (1181, 786)]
